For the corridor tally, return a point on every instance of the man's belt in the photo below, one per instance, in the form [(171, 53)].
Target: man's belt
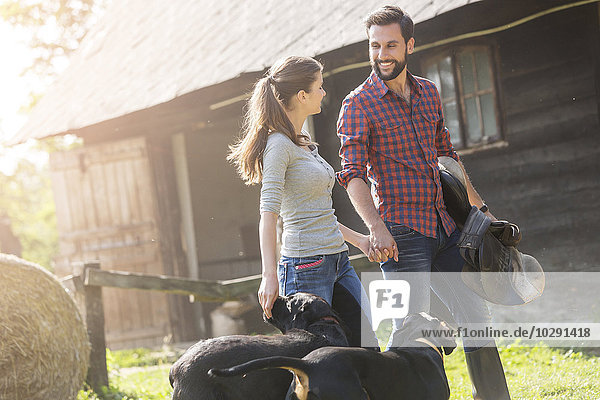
[(494, 268)]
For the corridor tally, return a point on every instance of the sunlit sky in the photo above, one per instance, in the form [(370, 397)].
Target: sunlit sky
[(15, 55)]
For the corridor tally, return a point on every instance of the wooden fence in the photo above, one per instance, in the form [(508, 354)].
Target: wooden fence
[(87, 281)]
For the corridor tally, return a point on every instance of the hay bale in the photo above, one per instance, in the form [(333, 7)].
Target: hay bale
[(44, 348)]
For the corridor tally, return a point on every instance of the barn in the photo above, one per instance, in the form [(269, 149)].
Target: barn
[(157, 90)]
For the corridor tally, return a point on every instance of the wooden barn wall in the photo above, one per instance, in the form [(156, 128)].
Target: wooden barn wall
[(225, 210), (183, 327), (546, 178), (107, 210)]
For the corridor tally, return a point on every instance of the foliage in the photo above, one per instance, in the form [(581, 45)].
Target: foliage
[(533, 373), (55, 27), (59, 143), (26, 198), (141, 357)]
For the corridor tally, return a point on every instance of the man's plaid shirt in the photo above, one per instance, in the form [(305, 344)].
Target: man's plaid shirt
[(396, 146)]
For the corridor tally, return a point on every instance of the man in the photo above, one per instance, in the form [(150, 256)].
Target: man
[(392, 131)]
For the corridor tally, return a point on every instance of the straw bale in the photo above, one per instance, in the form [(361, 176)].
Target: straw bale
[(44, 348)]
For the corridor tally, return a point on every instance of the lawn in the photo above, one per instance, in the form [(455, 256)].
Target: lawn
[(532, 373)]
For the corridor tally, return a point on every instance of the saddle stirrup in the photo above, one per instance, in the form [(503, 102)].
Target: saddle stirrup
[(487, 374)]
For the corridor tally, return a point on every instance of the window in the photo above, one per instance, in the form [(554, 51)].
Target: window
[(464, 78)]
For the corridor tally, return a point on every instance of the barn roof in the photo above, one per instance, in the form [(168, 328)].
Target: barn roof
[(147, 52)]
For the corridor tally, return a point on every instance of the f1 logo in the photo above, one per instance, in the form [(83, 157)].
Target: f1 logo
[(389, 299)]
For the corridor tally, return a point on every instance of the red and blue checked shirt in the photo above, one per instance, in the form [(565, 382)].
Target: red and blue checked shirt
[(396, 146)]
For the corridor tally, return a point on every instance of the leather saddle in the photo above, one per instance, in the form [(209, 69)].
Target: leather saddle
[(494, 268)]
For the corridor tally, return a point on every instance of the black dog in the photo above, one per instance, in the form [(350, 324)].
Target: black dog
[(335, 373), (307, 323)]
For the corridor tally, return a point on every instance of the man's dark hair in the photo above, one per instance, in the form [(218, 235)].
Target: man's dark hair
[(388, 15)]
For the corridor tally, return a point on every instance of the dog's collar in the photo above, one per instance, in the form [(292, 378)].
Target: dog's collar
[(329, 318), (427, 342)]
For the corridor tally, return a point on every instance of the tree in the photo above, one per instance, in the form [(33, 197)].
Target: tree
[(55, 27), (26, 202)]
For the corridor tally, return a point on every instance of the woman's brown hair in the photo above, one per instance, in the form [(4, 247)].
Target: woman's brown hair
[(266, 113)]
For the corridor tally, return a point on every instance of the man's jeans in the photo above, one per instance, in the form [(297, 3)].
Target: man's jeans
[(331, 277), (418, 253)]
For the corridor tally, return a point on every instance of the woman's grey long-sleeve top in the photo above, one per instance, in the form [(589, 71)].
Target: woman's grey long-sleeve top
[(297, 184)]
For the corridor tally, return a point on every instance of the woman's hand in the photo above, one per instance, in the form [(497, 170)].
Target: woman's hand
[(267, 293), (269, 287), (364, 244)]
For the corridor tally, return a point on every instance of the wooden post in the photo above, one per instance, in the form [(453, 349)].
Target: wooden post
[(97, 375)]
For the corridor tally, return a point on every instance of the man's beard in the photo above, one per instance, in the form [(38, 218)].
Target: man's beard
[(398, 68)]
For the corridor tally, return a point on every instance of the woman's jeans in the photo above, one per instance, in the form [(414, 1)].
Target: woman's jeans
[(331, 277), (427, 256)]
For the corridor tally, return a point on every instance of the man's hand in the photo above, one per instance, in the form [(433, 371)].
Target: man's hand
[(383, 245), (364, 244)]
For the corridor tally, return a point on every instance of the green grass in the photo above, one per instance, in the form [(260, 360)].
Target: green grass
[(139, 374), (535, 373), (532, 373)]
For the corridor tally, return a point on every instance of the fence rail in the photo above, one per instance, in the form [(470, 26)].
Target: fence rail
[(87, 281), (202, 290)]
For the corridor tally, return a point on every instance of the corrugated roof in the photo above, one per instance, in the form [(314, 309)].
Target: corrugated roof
[(146, 52)]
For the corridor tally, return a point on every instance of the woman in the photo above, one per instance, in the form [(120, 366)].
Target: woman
[(297, 184)]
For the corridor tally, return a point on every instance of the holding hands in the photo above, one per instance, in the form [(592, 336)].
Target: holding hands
[(382, 245), (379, 246)]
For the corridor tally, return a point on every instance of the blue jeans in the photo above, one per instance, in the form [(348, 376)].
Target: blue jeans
[(331, 277), (425, 255)]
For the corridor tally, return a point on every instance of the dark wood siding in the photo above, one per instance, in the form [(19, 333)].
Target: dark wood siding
[(547, 177), (225, 209)]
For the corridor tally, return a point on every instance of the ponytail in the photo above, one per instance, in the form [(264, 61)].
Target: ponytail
[(266, 114)]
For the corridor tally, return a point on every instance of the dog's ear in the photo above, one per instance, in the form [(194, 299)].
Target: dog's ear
[(309, 309), (302, 317), (281, 315), (449, 346), (411, 328), (299, 308), (415, 323)]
